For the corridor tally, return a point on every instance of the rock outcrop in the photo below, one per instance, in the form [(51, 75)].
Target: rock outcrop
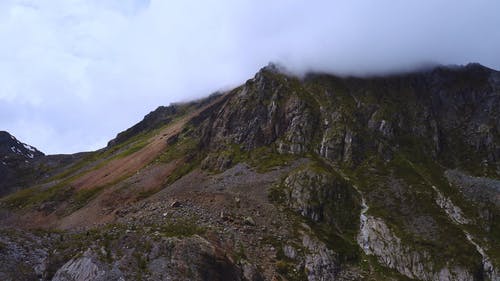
[(81, 269), (321, 196), (377, 239), (320, 262)]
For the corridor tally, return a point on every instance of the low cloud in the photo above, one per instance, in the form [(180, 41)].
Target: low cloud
[(74, 73)]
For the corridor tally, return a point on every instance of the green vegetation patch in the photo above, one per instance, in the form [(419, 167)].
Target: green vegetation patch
[(49, 199), (82, 197), (263, 159), (180, 147), (184, 148), (35, 195), (183, 228)]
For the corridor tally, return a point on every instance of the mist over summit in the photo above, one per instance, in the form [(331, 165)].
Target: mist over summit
[(67, 66)]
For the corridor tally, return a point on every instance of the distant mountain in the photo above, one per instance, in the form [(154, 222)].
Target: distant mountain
[(16, 163), (283, 178), (10, 147)]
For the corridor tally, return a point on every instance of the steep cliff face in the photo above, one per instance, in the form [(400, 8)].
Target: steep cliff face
[(286, 178), (395, 136), (447, 112), (267, 109), (320, 195)]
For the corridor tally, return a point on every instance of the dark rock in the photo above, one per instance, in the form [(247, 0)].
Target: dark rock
[(175, 204), (249, 221)]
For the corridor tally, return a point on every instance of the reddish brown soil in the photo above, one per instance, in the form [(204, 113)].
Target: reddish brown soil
[(102, 209), (121, 168), (126, 178)]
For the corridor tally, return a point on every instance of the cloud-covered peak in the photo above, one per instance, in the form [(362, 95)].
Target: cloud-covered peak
[(74, 73)]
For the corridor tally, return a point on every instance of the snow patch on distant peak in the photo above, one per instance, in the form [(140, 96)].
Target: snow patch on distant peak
[(19, 152), (29, 147)]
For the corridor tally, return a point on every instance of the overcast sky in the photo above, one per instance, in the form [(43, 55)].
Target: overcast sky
[(73, 73)]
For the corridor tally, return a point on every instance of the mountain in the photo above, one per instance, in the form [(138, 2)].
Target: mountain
[(23, 165), (318, 177), (10, 146), (16, 166)]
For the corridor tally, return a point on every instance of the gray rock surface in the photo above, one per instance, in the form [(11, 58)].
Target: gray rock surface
[(377, 239), (81, 269)]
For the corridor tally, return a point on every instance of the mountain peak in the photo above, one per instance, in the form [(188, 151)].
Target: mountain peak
[(476, 65), (274, 67)]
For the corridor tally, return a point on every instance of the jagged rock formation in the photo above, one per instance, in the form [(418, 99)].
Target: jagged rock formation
[(283, 178)]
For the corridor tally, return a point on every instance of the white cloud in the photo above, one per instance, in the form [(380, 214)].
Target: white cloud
[(73, 73)]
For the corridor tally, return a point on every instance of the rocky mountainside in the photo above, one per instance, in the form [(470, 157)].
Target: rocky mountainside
[(283, 178)]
